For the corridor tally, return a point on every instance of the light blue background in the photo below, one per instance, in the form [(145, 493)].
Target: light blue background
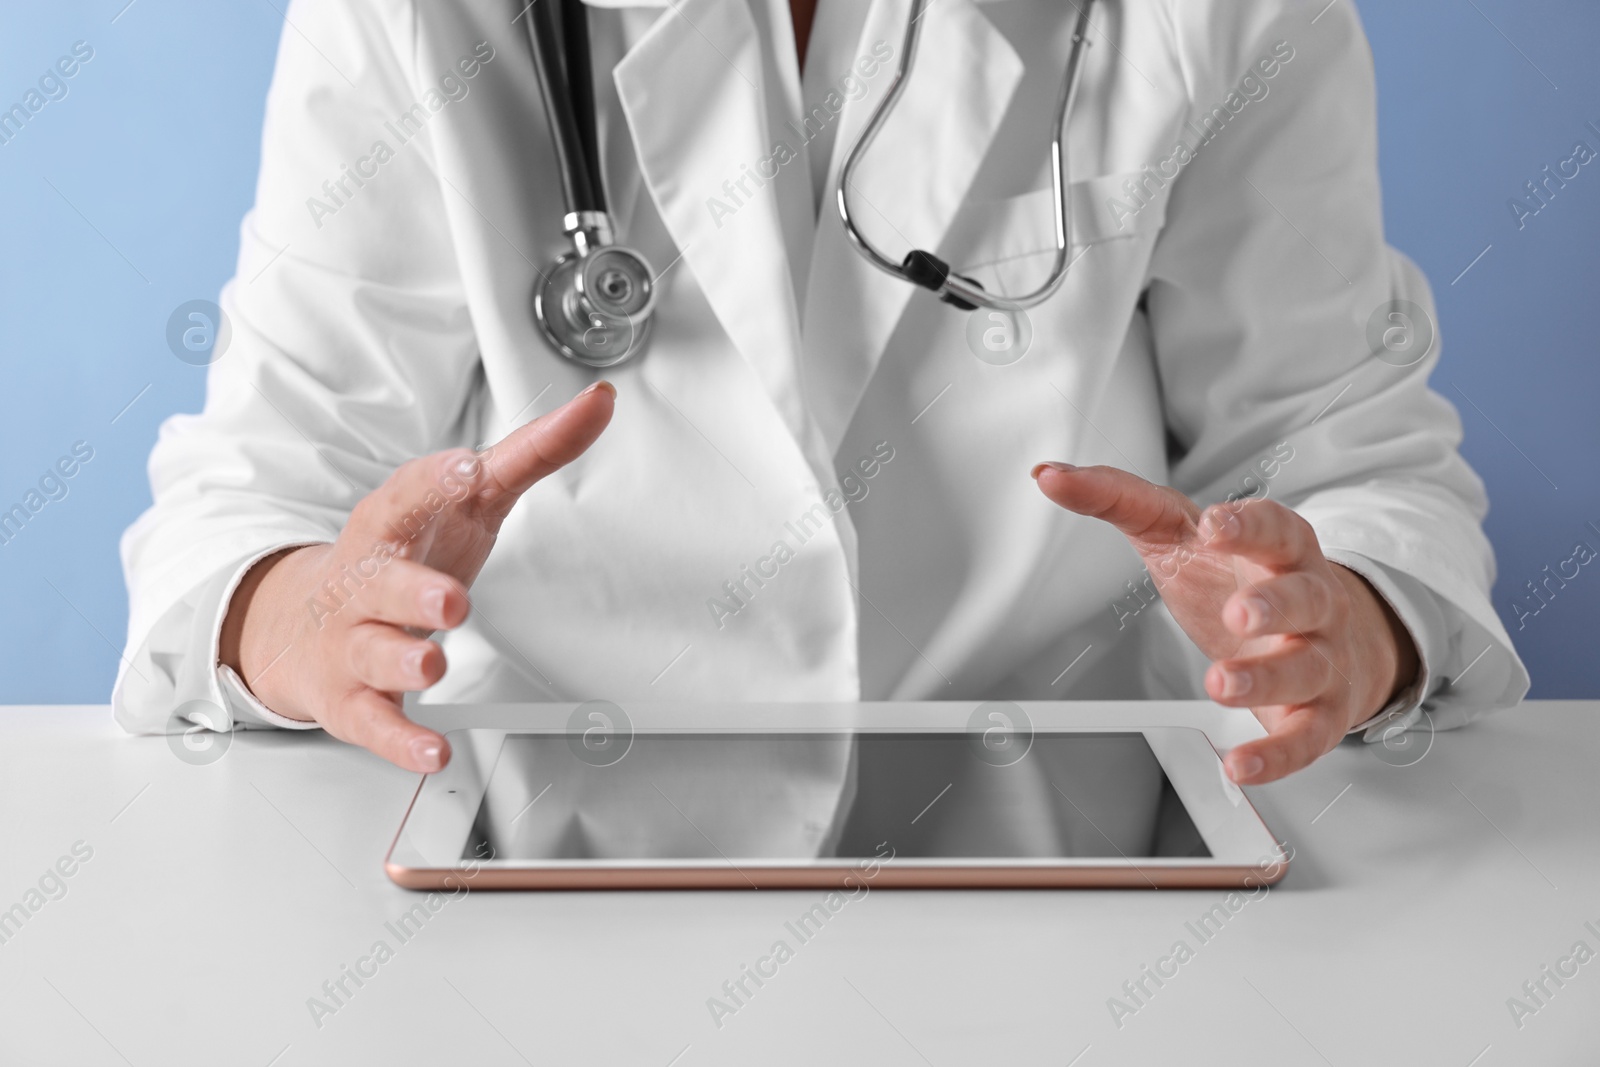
[(123, 200)]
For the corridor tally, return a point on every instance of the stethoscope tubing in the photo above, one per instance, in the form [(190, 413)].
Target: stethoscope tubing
[(955, 289), (564, 85), (563, 66)]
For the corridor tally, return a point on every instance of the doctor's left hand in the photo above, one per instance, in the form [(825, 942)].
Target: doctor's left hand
[(1305, 643), (399, 570)]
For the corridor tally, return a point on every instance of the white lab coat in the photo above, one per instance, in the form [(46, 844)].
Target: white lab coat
[(1216, 321)]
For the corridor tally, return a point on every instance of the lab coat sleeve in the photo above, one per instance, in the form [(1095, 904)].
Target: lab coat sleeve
[(351, 352), (1263, 282)]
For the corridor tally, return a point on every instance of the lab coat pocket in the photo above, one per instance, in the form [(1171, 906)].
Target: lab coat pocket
[(1008, 244)]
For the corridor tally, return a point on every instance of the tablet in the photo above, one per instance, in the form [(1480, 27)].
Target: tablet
[(853, 808)]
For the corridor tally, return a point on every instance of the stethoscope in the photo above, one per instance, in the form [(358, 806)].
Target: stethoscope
[(596, 303)]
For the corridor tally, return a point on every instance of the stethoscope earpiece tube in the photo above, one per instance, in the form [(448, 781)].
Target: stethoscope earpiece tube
[(927, 270)]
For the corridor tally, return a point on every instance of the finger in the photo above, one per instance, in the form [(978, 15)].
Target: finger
[(398, 516), (1142, 510), (1294, 672), (396, 519), (550, 442), (1299, 602), (1295, 741), (374, 721), (1262, 531), (392, 661), (405, 593)]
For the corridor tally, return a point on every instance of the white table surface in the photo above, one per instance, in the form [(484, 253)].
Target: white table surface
[(1420, 899)]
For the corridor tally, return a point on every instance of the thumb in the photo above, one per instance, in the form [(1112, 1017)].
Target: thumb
[(548, 443), (1144, 512)]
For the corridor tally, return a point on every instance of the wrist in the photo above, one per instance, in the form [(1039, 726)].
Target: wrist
[(258, 626), (1385, 653)]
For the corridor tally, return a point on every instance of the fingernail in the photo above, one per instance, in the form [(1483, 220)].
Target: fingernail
[(433, 605), (1246, 766), (1235, 684), (468, 468), (414, 662), (1255, 612), (1065, 468), (1219, 524), (597, 386), (425, 752)]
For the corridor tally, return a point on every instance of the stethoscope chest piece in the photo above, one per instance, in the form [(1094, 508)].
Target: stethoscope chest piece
[(594, 303)]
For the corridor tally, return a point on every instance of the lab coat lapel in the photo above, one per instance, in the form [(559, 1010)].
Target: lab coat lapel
[(695, 91), (906, 190)]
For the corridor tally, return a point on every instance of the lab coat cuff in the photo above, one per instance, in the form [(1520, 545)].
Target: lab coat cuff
[(245, 710), (1401, 713)]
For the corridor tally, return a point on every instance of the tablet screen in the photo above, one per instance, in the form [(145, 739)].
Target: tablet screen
[(829, 797)]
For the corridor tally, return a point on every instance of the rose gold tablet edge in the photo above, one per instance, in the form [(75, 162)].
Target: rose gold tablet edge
[(850, 878), (1129, 876)]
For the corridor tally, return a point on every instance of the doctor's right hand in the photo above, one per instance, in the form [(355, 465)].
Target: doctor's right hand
[(336, 634)]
